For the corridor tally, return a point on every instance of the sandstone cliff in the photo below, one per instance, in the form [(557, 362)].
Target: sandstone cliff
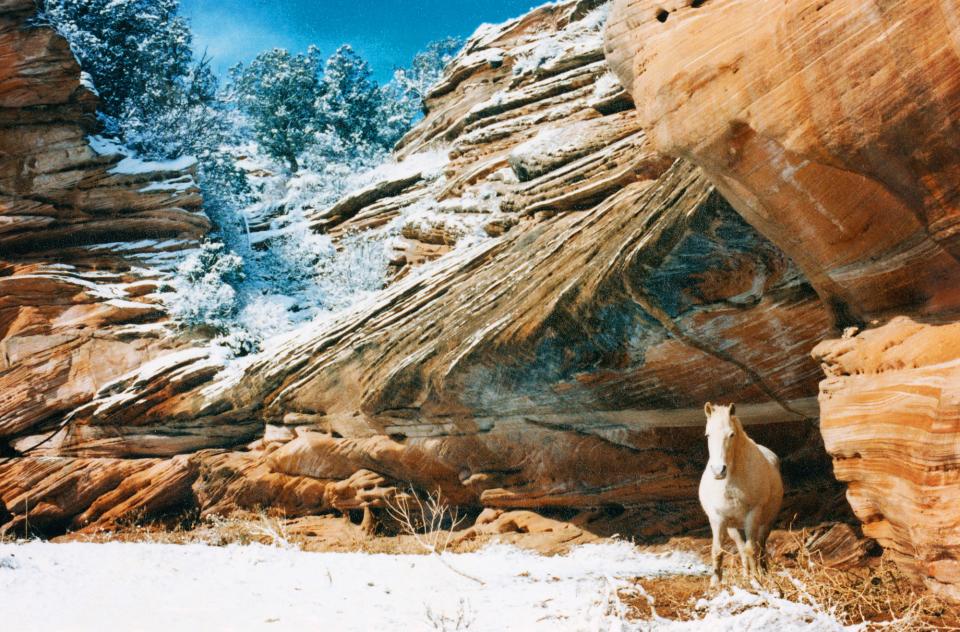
[(84, 233), (832, 128), (565, 300)]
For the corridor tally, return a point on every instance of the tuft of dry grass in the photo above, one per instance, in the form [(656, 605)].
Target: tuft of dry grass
[(876, 593), (325, 533)]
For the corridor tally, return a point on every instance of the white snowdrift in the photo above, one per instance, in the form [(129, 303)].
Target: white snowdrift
[(122, 586), (737, 610)]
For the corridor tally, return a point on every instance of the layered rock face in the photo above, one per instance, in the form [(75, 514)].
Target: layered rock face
[(832, 128), (84, 233), (891, 411), (565, 299)]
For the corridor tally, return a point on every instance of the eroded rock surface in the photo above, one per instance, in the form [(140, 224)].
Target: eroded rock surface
[(82, 235), (831, 127), (890, 420), (565, 303)]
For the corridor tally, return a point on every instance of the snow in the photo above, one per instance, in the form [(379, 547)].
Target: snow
[(578, 38), (147, 586), (178, 185), (105, 146), (738, 610), (428, 164), (144, 586), (608, 85), (87, 82), (131, 164)]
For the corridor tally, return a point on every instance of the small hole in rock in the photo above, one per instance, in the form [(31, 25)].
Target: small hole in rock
[(612, 510), (696, 4), (662, 15)]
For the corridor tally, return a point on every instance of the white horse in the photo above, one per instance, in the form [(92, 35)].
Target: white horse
[(741, 489)]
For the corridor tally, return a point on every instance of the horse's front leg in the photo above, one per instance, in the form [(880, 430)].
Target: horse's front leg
[(734, 534), (717, 526)]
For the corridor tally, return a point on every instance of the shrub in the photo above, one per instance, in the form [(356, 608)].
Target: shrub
[(203, 288)]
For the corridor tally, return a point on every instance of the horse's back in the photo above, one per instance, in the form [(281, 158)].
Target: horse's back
[(775, 498), (770, 456)]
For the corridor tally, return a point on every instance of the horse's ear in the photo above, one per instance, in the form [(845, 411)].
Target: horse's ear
[(708, 409), (733, 409)]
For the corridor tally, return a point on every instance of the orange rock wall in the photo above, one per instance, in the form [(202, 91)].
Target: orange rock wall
[(557, 362), (81, 243), (832, 127)]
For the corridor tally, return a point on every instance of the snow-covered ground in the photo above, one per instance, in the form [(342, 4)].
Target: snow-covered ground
[(143, 586)]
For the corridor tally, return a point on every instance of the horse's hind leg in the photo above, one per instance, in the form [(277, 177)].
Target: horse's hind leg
[(734, 534), (751, 530), (762, 547), (717, 528)]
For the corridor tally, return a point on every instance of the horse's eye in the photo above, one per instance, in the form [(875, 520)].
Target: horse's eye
[(730, 436)]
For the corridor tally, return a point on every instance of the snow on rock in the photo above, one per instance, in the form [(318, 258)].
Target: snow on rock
[(113, 586), (553, 147), (568, 48), (183, 183), (132, 165), (87, 82)]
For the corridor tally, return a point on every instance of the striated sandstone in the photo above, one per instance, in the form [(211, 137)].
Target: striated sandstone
[(832, 128), (557, 318), (82, 240), (890, 411)]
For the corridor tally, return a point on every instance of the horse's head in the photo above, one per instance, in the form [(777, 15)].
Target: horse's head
[(722, 432)]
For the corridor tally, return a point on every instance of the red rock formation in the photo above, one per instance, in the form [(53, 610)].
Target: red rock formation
[(79, 238), (832, 127), (890, 411), (560, 361)]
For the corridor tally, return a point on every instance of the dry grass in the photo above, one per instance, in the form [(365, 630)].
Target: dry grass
[(326, 533), (431, 522), (876, 593)]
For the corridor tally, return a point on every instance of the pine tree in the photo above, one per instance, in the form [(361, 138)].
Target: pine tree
[(278, 91), (426, 68), (135, 50), (351, 102)]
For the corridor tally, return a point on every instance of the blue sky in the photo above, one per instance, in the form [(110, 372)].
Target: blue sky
[(386, 32)]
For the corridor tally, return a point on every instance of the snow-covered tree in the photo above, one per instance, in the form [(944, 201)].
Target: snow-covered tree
[(403, 97), (133, 49), (155, 96), (203, 288), (329, 116), (351, 103), (278, 91), (427, 68)]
